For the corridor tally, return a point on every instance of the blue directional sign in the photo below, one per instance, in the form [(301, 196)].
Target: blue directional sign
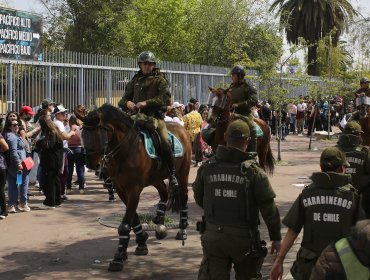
[(20, 35)]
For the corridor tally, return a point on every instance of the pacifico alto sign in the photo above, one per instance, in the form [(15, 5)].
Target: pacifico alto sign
[(20, 35)]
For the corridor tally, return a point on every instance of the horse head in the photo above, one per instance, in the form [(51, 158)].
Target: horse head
[(102, 131), (220, 100)]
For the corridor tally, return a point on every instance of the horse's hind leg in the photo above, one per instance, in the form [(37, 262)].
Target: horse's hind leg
[(161, 231), (141, 237), (182, 233)]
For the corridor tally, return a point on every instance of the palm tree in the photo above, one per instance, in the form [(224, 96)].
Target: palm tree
[(313, 20)]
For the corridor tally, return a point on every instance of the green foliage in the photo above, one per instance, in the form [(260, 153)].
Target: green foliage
[(212, 32), (312, 20)]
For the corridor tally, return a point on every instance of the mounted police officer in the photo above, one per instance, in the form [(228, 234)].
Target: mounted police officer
[(326, 209), (232, 189), (362, 96), (358, 157), (243, 98), (149, 91)]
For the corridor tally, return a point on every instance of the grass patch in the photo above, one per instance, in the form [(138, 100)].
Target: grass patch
[(285, 163)]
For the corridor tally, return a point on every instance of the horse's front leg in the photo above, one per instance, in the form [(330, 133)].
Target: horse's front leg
[(141, 237), (161, 230), (121, 254)]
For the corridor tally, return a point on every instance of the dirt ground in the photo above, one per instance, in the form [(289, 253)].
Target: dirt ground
[(70, 243)]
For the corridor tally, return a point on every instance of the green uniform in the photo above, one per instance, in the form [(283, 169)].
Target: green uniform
[(245, 96), (153, 89), (358, 157), (327, 209), (232, 189)]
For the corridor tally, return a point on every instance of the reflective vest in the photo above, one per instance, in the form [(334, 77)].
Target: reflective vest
[(328, 215), (228, 196), (352, 266)]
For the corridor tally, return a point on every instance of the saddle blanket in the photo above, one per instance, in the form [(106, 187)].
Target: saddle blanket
[(258, 130), (151, 150)]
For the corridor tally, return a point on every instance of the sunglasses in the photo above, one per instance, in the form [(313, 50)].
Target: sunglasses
[(15, 125), (364, 83)]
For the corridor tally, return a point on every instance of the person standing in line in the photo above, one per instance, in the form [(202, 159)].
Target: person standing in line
[(3, 148), (60, 114), (77, 157), (17, 152), (326, 210), (232, 189), (50, 148)]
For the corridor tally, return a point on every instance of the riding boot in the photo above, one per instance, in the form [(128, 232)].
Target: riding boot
[(252, 147), (171, 163)]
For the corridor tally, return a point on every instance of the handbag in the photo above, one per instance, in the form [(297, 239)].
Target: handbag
[(28, 163)]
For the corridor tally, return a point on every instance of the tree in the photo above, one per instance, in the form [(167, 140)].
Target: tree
[(313, 20)]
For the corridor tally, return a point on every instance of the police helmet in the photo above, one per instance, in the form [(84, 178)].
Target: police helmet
[(364, 80), (146, 56), (239, 70), (353, 127)]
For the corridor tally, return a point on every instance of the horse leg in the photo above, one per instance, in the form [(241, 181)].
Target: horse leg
[(121, 254), (161, 230), (141, 237), (124, 228), (182, 233)]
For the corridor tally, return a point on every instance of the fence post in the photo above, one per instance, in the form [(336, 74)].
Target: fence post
[(109, 86), (48, 82), (81, 86), (199, 88), (10, 98)]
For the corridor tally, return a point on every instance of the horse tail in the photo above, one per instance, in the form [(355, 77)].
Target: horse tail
[(174, 200), (270, 161)]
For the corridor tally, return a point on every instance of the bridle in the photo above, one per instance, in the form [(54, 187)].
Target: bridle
[(108, 155)]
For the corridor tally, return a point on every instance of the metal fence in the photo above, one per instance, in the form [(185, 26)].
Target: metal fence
[(73, 78), (90, 79)]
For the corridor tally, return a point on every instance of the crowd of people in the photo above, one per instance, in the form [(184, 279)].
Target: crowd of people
[(54, 135)]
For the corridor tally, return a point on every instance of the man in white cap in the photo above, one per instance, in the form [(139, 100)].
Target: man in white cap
[(60, 117)]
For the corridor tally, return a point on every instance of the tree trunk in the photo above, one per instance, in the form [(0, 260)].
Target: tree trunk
[(311, 60)]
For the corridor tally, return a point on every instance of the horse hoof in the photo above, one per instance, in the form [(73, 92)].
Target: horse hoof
[(141, 251), (115, 266), (181, 235), (160, 232), (160, 235)]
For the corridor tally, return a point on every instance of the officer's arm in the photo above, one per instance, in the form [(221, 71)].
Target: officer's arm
[(198, 187), (164, 96), (271, 216), (128, 96)]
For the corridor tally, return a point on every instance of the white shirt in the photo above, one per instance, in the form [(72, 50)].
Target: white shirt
[(62, 129)]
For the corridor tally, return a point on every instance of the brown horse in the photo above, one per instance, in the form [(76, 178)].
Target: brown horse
[(111, 137), (220, 115)]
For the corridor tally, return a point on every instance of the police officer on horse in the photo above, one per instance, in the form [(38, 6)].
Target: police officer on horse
[(362, 96), (232, 189), (149, 91), (243, 98), (358, 156), (326, 210)]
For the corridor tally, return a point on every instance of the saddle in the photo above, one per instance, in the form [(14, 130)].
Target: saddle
[(152, 143)]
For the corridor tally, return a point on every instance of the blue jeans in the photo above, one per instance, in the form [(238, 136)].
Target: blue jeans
[(78, 159), (14, 190)]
